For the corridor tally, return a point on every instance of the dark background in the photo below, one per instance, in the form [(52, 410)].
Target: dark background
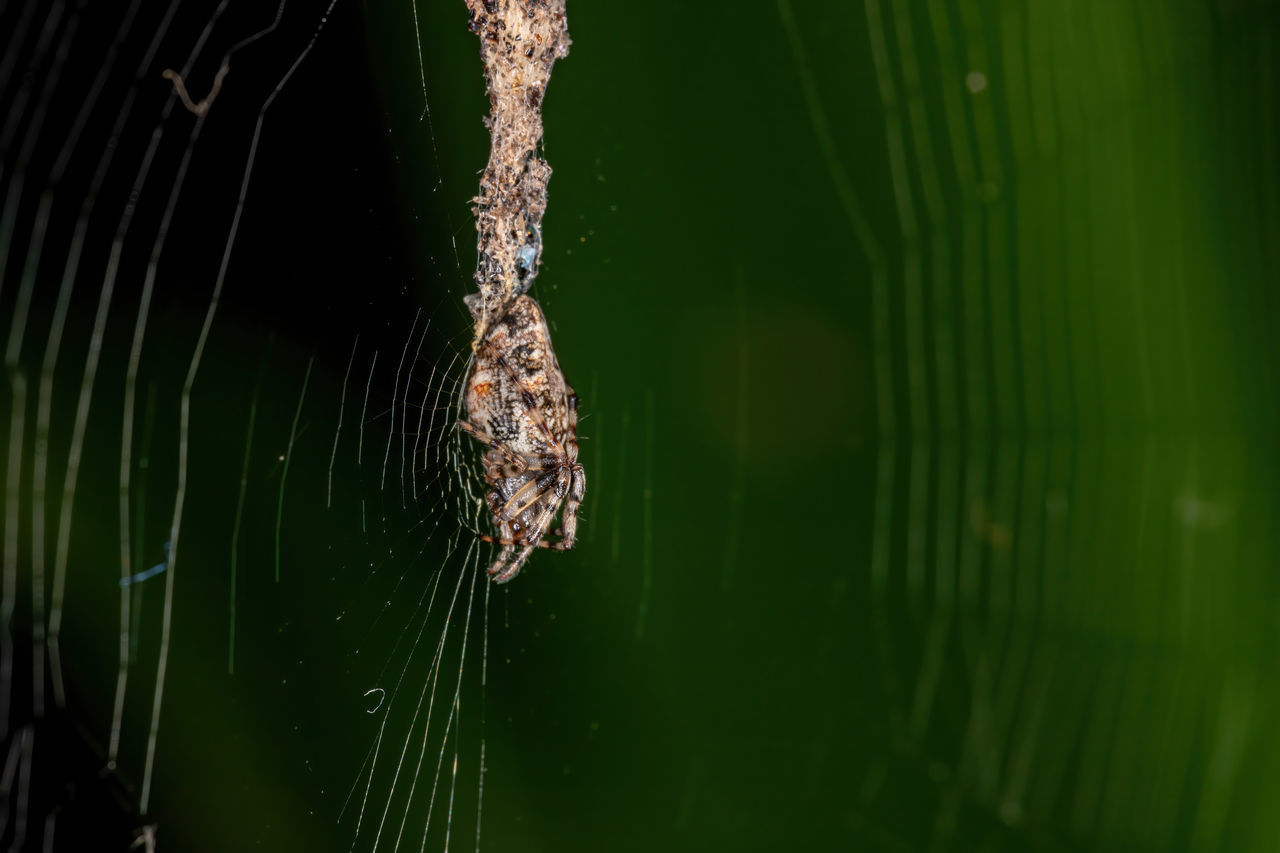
[(929, 412)]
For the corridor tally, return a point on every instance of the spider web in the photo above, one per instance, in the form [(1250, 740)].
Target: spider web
[(1043, 616), (1043, 379), (197, 393)]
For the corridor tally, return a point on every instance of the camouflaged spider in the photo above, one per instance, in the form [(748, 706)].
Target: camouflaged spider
[(521, 407)]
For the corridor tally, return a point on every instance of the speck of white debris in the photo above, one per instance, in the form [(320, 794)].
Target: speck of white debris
[(975, 81)]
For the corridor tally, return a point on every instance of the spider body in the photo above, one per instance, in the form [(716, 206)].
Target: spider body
[(520, 406)]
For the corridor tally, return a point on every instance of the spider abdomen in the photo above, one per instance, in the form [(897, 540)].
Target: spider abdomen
[(517, 360)]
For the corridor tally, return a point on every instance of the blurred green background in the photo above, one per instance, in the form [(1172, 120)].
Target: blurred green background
[(929, 416)]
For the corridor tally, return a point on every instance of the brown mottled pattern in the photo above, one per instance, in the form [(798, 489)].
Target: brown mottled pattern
[(520, 40), (523, 410), (495, 401)]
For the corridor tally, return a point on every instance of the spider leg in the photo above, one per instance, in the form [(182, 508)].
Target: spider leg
[(531, 539), (571, 500), (498, 566), (577, 478), (571, 493), (514, 568), (540, 463), (484, 438), (536, 530), (496, 468), (508, 548), (569, 518), (541, 543), (568, 530), (571, 440), (521, 500)]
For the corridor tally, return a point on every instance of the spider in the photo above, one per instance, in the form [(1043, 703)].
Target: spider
[(521, 407)]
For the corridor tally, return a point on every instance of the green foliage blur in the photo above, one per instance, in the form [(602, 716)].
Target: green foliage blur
[(930, 384)]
